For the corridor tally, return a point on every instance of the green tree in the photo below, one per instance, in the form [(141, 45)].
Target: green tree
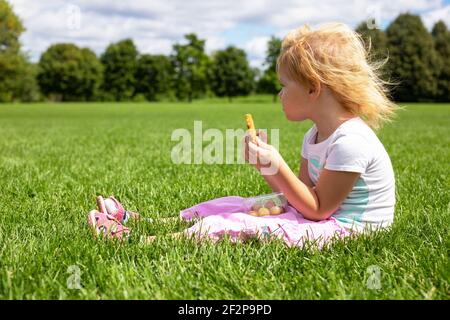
[(441, 37), (10, 28), (413, 60), (92, 70), (68, 73), (153, 76), (12, 69), (376, 43), (268, 83), (230, 73), (13, 64), (119, 62), (190, 64), (29, 90)]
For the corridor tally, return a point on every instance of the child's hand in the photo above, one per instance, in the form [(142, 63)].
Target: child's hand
[(247, 139), (245, 148), (262, 135), (263, 156)]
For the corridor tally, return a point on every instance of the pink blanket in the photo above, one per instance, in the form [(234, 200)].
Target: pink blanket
[(225, 215)]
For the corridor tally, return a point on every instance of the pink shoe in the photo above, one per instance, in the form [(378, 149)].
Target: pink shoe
[(105, 225), (115, 208)]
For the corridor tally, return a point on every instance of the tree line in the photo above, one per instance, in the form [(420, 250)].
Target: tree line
[(419, 61)]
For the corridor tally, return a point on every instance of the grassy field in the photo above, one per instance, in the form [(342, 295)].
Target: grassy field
[(55, 158)]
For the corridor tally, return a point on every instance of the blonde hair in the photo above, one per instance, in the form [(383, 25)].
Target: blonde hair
[(334, 55)]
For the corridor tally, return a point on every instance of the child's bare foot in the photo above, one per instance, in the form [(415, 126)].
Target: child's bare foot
[(151, 239), (134, 215), (146, 240), (170, 219)]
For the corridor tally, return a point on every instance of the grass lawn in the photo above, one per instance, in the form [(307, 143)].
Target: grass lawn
[(55, 158)]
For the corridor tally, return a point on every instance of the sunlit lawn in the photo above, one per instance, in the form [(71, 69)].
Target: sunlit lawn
[(55, 158)]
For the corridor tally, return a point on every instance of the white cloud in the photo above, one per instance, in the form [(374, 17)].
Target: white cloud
[(256, 50), (155, 26), (295, 13), (430, 18), (213, 43)]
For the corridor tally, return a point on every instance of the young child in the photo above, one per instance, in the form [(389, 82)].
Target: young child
[(346, 183)]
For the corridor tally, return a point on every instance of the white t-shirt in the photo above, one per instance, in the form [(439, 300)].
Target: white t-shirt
[(354, 147)]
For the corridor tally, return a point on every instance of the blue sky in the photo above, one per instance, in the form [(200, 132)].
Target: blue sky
[(156, 25)]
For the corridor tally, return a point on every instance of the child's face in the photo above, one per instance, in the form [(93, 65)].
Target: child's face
[(295, 98)]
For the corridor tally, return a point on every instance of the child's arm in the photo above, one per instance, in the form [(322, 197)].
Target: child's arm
[(319, 202), (303, 174), (315, 203), (272, 183)]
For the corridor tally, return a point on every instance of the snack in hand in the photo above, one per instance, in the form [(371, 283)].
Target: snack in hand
[(251, 126)]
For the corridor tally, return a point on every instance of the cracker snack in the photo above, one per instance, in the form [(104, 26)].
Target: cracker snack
[(251, 127)]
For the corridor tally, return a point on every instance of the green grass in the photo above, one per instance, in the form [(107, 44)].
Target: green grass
[(55, 158)]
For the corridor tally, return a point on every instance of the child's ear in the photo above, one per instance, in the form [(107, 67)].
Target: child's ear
[(314, 90)]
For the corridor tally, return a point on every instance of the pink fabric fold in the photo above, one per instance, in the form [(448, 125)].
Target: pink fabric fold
[(226, 215)]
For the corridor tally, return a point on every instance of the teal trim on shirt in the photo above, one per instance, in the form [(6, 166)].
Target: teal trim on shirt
[(354, 206)]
